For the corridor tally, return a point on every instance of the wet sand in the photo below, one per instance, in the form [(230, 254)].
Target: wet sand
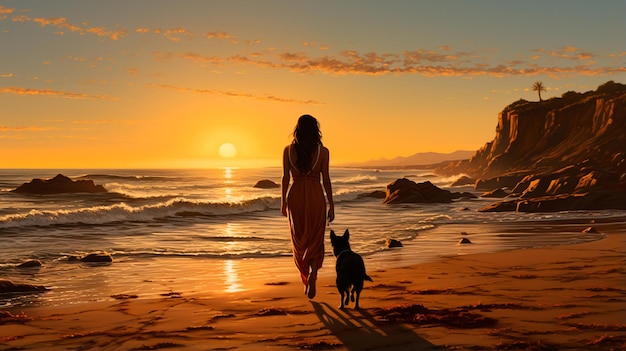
[(570, 297)]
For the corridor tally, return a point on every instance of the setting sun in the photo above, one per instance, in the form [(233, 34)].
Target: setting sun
[(227, 150)]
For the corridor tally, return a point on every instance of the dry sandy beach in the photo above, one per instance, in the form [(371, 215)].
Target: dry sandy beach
[(570, 297)]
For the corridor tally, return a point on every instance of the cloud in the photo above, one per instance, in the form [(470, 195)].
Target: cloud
[(24, 129), (64, 24), (236, 94), (429, 63), (178, 33), (104, 121), (54, 93)]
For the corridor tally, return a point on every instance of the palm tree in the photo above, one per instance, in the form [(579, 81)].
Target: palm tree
[(538, 87)]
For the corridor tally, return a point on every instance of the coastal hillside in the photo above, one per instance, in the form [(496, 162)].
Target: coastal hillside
[(421, 158), (568, 145)]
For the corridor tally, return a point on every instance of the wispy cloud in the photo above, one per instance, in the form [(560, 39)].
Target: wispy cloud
[(425, 62), (63, 24), (104, 121), (54, 93), (24, 128), (179, 33), (267, 97)]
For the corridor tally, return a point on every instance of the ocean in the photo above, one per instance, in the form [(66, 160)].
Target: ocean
[(171, 229)]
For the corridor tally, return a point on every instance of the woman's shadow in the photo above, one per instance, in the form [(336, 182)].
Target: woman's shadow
[(358, 330)]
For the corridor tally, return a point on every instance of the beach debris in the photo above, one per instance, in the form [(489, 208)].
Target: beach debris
[(30, 264), (270, 311), (590, 230), (389, 243), (609, 341), (7, 317), (59, 185), (537, 345), (7, 286), (172, 295), (124, 296), (277, 283), (266, 184), (320, 345), (221, 316), (420, 315), (465, 241)]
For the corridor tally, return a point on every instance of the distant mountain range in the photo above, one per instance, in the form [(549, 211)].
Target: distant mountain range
[(418, 159)]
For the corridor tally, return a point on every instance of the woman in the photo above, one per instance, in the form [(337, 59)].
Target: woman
[(303, 201)]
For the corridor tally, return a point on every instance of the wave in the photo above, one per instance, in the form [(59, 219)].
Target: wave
[(128, 177), (358, 179), (122, 212)]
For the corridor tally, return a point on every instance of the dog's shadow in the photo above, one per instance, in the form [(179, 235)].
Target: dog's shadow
[(358, 330)]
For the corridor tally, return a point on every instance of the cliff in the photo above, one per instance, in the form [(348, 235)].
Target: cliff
[(574, 144)]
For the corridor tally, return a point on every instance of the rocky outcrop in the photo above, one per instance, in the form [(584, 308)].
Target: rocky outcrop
[(391, 243), (266, 184), (92, 258), (407, 191), (376, 194), (7, 286), (58, 185), (559, 154), (498, 193)]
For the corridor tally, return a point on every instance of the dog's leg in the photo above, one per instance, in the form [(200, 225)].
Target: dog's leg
[(341, 305), (356, 302)]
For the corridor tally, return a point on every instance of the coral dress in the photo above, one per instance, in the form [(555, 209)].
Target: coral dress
[(306, 206)]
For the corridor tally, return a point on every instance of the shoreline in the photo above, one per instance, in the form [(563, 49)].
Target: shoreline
[(558, 297), (76, 283)]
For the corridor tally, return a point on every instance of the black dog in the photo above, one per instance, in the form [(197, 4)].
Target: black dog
[(350, 269)]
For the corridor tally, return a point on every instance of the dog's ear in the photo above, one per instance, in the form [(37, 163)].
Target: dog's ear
[(346, 234), (332, 234)]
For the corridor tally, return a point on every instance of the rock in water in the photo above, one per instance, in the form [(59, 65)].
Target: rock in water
[(7, 286), (59, 185), (393, 243), (266, 184), (96, 257)]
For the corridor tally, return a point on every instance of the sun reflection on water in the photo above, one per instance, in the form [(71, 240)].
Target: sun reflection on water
[(231, 280)]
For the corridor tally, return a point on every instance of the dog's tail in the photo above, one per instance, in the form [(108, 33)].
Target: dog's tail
[(367, 277)]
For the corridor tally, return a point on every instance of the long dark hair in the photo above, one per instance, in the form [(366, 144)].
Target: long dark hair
[(306, 137)]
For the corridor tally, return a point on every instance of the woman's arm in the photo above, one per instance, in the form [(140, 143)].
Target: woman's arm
[(285, 181), (328, 188)]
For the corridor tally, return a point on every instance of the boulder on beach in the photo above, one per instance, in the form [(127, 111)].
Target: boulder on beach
[(389, 243), (465, 241), (464, 180), (93, 257), (7, 286), (97, 257), (59, 185), (266, 184), (407, 191), (30, 264)]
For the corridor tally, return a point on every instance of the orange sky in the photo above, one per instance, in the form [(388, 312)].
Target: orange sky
[(156, 84)]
